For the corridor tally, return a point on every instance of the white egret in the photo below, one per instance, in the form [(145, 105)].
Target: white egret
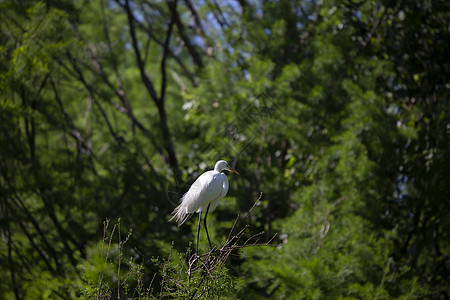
[(203, 196)]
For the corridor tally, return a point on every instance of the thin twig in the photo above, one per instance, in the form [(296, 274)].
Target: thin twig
[(164, 273), (120, 260)]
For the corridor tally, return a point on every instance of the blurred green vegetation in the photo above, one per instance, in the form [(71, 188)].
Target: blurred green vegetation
[(338, 111)]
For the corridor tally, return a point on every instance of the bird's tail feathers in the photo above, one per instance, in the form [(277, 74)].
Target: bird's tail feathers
[(180, 215)]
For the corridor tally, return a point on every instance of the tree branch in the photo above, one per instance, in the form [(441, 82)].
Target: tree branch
[(170, 52), (192, 51), (92, 95), (145, 79), (168, 144), (7, 236), (172, 7)]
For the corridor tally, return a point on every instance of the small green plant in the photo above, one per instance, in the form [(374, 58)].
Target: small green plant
[(106, 275)]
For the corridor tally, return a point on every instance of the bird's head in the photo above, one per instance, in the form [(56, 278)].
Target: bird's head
[(222, 165)]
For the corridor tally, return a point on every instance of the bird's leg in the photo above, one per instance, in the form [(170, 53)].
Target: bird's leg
[(198, 230), (206, 228)]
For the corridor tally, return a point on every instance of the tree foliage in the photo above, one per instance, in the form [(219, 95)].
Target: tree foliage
[(336, 110)]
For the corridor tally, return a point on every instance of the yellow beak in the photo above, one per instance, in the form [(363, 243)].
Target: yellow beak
[(232, 170)]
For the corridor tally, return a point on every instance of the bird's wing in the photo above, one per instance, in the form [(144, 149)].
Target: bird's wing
[(204, 190)]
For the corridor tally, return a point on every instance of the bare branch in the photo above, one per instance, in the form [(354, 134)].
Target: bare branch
[(170, 52), (168, 143), (181, 31), (198, 25), (145, 79), (92, 95), (172, 7)]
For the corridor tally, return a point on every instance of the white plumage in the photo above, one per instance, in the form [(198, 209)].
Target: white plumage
[(203, 195)]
